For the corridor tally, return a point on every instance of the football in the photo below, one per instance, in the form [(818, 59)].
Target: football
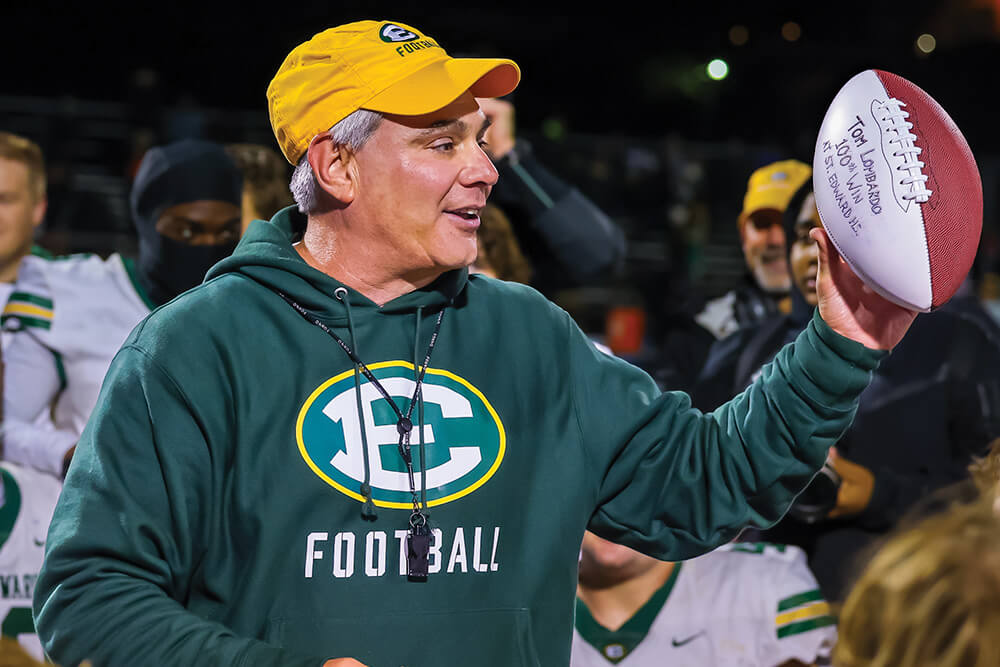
[(898, 190)]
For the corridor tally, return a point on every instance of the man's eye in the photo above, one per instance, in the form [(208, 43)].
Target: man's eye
[(443, 146), (484, 144)]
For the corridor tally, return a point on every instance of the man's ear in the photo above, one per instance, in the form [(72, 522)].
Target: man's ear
[(333, 167), (38, 212)]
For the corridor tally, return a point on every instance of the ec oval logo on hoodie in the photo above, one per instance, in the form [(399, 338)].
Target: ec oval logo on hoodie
[(464, 439)]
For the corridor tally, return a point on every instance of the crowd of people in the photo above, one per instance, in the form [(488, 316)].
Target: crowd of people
[(322, 419)]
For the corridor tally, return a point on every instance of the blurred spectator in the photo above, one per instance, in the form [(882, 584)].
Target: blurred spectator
[(742, 604), (932, 406), (500, 255), (265, 181), (985, 471), (565, 236), (185, 204), (27, 500), (930, 596), (22, 209), (765, 287), (763, 292)]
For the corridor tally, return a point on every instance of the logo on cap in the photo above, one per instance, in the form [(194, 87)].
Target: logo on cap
[(391, 32)]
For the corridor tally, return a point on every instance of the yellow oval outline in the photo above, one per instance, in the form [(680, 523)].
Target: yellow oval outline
[(398, 505)]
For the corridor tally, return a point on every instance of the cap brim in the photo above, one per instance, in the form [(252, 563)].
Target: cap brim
[(441, 83)]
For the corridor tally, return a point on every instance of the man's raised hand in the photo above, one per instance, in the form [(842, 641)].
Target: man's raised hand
[(850, 307)]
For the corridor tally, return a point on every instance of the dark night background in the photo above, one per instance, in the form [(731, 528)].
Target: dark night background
[(616, 101)]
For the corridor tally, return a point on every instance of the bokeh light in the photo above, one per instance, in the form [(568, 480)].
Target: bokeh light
[(739, 35), (791, 31), (717, 69), (926, 43)]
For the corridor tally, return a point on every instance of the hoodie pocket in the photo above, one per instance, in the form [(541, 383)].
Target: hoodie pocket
[(484, 637)]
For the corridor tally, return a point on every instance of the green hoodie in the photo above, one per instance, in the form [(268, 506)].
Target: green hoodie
[(213, 515)]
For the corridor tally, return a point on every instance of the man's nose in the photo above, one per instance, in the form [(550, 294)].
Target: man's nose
[(479, 170), (776, 235)]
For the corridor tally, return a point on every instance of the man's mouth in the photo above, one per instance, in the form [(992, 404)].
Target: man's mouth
[(470, 214), (772, 257)]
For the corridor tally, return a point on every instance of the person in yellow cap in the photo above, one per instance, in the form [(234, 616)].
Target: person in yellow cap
[(345, 448), (762, 239)]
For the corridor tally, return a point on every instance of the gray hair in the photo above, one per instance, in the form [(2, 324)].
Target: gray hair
[(353, 131)]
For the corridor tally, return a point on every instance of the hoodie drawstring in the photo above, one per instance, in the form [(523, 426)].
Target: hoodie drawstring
[(368, 509), (419, 539), (420, 412)]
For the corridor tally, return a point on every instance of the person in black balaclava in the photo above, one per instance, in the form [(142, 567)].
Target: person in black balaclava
[(186, 206), (185, 203), (932, 405)]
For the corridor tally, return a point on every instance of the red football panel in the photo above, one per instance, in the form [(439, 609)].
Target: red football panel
[(953, 215)]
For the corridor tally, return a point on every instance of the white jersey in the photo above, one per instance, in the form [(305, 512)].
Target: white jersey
[(69, 316), (744, 604), (27, 500), (6, 289)]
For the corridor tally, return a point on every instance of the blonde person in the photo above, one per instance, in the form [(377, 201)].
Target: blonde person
[(930, 596)]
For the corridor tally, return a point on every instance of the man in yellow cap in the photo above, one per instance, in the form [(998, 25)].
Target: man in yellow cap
[(762, 238), (348, 446)]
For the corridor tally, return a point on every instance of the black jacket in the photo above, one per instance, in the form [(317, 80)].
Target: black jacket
[(932, 405), (555, 221)]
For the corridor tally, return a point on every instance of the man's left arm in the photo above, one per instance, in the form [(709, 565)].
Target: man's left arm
[(674, 482), (32, 381)]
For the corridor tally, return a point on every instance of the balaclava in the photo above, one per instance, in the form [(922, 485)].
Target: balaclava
[(178, 173)]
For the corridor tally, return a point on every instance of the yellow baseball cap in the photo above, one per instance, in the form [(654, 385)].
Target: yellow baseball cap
[(376, 65), (773, 186)]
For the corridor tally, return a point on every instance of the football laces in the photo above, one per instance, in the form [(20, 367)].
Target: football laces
[(913, 179)]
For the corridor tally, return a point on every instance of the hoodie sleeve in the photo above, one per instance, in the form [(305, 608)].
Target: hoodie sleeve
[(126, 536), (674, 482)]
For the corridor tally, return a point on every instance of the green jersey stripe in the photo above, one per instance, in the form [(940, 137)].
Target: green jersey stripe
[(133, 276), (36, 322), (805, 626), (25, 297), (39, 251), (801, 598)]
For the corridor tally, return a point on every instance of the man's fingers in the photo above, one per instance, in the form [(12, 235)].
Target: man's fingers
[(830, 260), (827, 251)]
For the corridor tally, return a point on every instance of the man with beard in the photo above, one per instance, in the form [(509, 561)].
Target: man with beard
[(185, 203), (932, 406), (764, 292), (742, 604)]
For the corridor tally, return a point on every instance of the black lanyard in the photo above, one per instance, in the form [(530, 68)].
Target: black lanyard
[(418, 542)]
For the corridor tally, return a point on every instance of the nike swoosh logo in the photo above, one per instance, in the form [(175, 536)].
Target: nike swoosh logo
[(681, 642), (39, 543)]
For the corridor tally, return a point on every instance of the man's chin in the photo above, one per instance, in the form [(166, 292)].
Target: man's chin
[(773, 282)]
